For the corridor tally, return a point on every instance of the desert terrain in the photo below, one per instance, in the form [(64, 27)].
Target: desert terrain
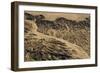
[(56, 36)]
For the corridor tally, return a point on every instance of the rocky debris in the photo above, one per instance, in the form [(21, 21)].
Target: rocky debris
[(50, 49), (28, 16), (46, 52), (58, 23), (37, 48)]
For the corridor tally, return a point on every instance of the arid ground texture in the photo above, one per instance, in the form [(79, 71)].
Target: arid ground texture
[(56, 36)]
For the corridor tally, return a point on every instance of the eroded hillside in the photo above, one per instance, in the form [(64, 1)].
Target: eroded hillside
[(57, 39)]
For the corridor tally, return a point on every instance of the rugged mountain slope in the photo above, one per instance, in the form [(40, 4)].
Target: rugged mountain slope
[(41, 46)]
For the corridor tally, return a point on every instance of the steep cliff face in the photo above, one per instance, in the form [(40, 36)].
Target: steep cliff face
[(57, 39)]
